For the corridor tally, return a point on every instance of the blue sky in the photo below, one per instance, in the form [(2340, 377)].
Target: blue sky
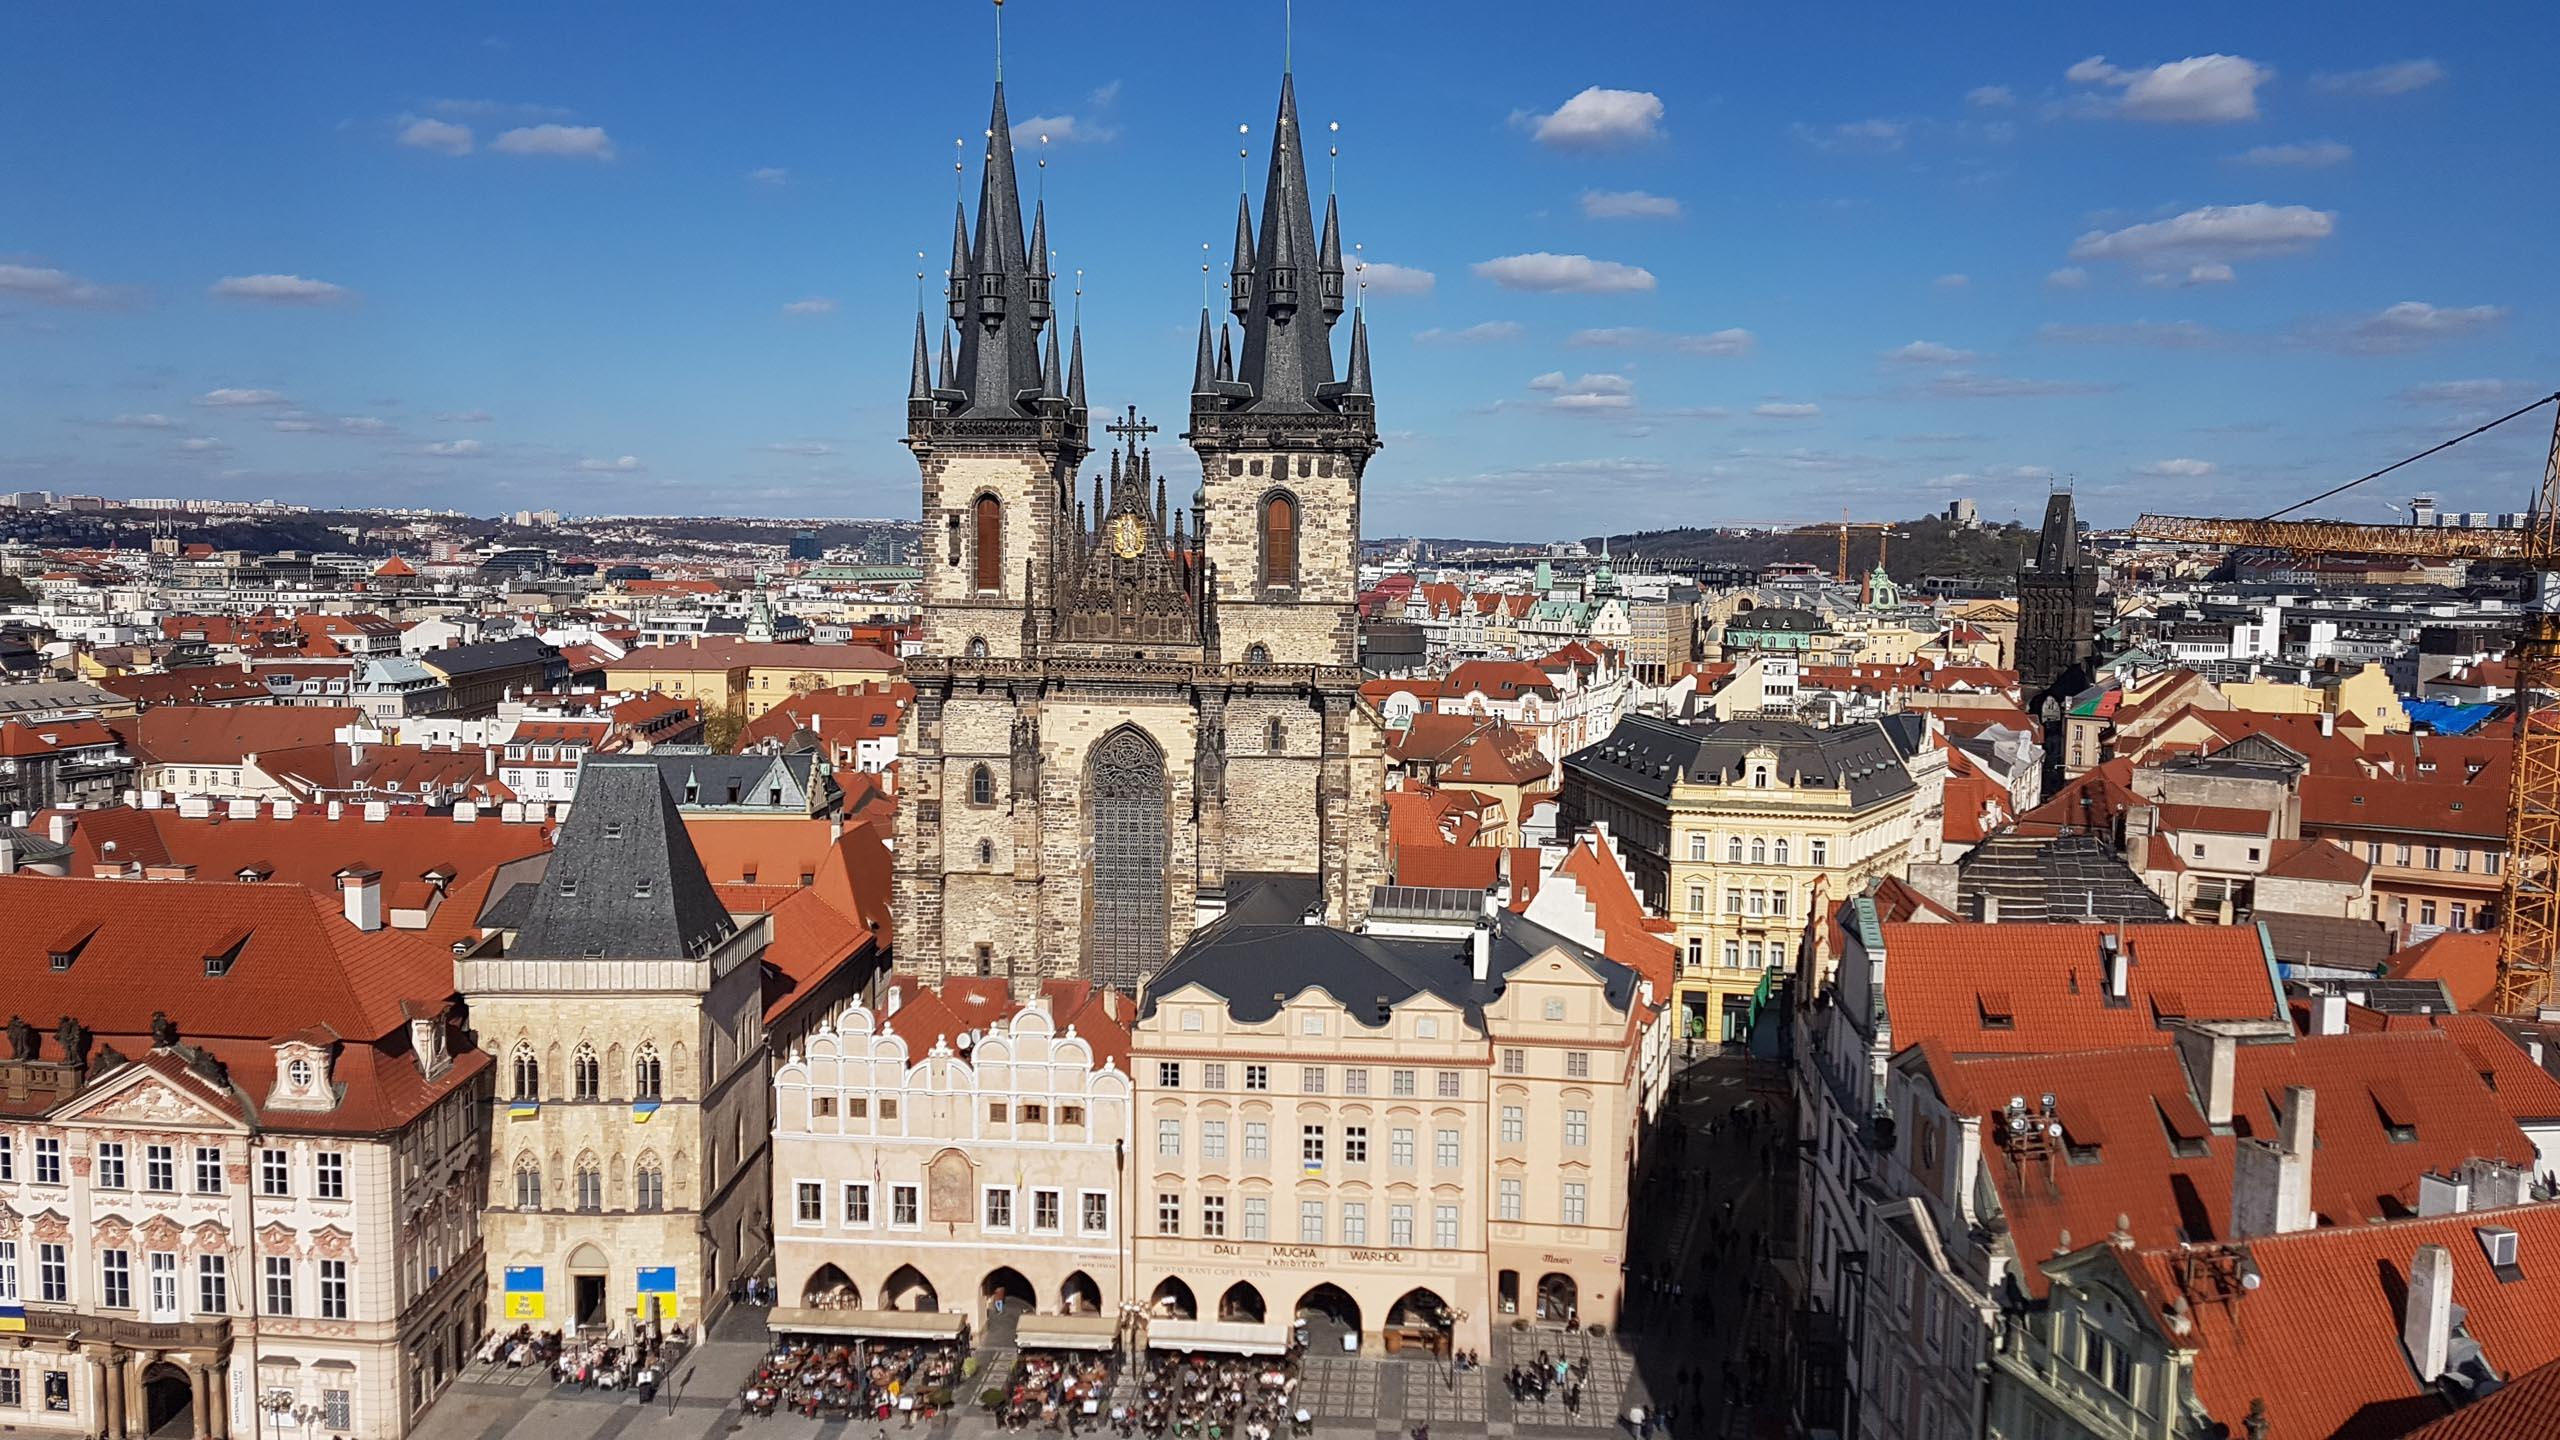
[(1651, 265)]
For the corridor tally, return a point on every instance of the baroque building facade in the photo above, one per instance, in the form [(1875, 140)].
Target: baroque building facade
[(1123, 706)]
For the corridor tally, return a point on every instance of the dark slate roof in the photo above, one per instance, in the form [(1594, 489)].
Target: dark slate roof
[(488, 655), (2053, 879), (1256, 968), (2325, 940), (35, 848), (1646, 753), (1266, 897), (1907, 729), (1779, 618), (713, 775), (623, 881), (2058, 547)]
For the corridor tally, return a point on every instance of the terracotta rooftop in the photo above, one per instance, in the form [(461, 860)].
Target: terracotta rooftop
[(229, 734), (2025, 989)]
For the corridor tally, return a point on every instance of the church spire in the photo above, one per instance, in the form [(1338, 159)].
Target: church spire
[(1052, 385), (1075, 373), (1226, 354), (1285, 361), (958, 286), (1240, 271), (1000, 306), (1329, 263), (920, 377), (1204, 370), (1039, 257), (1359, 381), (950, 375)]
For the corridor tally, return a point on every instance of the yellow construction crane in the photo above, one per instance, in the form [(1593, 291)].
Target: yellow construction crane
[(2529, 927)]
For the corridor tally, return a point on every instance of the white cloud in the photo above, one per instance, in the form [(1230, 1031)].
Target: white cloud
[(202, 445), (1963, 385), (1063, 130), (2409, 325), (442, 136), (1731, 341), (770, 175), (54, 287), (1628, 205), (1487, 332), (1870, 137), (229, 396), (1598, 118), (623, 465), (296, 424), (2200, 88), (279, 290), (2157, 335), (800, 447), (1991, 97), (2302, 154), (1779, 410), (143, 422), (813, 305), (1566, 274), (464, 417), (2069, 277), (1586, 392), (455, 449), (2213, 231), (579, 142), (1379, 277), (1952, 282), (2460, 392), (2178, 469), (365, 425), (2395, 79), (2209, 272), (1928, 352)]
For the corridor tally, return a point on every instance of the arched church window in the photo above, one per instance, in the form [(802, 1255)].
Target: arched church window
[(1279, 540), (977, 647), (990, 543), (1257, 654), (648, 1076), (588, 1076), (982, 785), (1279, 739), (528, 1074), (986, 852)]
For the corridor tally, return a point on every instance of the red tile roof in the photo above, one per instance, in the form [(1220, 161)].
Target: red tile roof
[(1443, 866), (811, 941), (839, 716), (22, 741), (1628, 935), (1499, 680), (926, 1015), (308, 848), (2474, 811), (229, 734), (2053, 983), (2340, 1291), (2215, 819), (2316, 860), (2528, 1405)]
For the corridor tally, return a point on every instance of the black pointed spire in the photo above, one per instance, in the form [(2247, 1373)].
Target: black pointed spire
[(1075, 373), (1226, 354), (1240, 270), (958, 287), (1039, 258), (2058, 547), (920, 378), (1204, 371), (1000, 334), (1359, 380), (1053, 385), (1286, 361), (950, 376), (1329, 263)]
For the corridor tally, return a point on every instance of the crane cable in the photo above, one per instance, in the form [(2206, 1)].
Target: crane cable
[(2421, 455)]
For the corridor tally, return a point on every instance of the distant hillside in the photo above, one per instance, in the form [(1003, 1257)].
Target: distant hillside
[(1930, 546)]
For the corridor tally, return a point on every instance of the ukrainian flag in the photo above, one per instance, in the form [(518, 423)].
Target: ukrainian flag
[(13, 1316), (641, 1110), (523, 1109)]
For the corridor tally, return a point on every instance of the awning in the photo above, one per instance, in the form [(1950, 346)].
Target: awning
[(800, 1320), (1230, 1337), (1067, 1332)]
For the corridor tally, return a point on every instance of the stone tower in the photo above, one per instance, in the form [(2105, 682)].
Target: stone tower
[(1108, 726), (2057, 609)]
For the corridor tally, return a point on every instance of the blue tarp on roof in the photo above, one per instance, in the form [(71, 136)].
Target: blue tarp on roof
[(2446, 718)]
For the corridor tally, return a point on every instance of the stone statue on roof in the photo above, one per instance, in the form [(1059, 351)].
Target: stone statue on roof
[(74, 1039), (22, 1038)]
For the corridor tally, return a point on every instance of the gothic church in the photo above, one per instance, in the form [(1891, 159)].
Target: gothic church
[(1128, 709)]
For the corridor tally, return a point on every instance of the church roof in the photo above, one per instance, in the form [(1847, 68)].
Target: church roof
[(623, 881)]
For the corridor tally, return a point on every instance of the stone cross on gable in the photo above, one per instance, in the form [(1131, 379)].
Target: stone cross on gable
[(1131, 429)]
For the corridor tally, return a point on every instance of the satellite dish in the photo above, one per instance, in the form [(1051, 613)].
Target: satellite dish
[(2054, 1129), (2249, 1280)]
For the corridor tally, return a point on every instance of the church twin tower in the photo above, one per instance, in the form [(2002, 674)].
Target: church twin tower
[(1127, 711)]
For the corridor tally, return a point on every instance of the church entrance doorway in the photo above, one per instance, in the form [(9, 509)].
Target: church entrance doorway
[(168, 1400)]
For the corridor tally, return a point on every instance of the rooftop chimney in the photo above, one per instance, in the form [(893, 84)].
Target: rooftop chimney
[(2426, 1324), (2212, 1059), (2328, 1014), (336, 809), (2271, 1180), (1481, 952), (243, 809), (2119, 960), (2440, 1195), (362, 890), (58, 829)]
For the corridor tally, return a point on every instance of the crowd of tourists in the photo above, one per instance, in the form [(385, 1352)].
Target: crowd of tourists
[(878, 1379)]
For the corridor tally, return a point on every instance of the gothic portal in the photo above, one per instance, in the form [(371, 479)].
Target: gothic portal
[(1126, 705)]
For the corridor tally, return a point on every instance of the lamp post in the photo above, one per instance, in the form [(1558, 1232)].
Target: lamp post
[(1453, 1319)]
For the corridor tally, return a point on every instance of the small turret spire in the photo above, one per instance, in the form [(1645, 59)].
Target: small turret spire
[(1075, 371), (1226, 355), (947, 371), (1052, 377), (1204, 371), (1329, 263), (1240, 271), (920, 377), (957, 284), (1360, 353), (1039, 255)]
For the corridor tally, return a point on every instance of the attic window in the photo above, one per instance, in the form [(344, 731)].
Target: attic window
[(1996, 1011), (2185, 1144), (641, 887), (68, 948), (2398, 1116), (568, 885), (613, 829), (224, 954), (2498, 1243)]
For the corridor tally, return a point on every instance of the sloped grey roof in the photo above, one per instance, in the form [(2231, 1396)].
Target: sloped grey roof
[(2057, 879), (1256, 967), (1647, 753), (715, 777), (624, 881)]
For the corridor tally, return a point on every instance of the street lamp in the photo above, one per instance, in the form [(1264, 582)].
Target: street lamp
[(1453, 1319)]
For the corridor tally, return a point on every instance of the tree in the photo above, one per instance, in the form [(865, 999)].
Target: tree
[(722, 729)]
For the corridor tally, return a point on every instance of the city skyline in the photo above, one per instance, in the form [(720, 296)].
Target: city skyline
[(1612, 285)]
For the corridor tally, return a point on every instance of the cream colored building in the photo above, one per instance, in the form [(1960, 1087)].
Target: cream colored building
[(1727, 827), (951, 1147), (1427, 1127), (624, 1005)]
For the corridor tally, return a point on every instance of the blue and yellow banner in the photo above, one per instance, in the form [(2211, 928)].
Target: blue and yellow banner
[(523, 1109), (641, 1110), (524, 1292), (13, 1316)]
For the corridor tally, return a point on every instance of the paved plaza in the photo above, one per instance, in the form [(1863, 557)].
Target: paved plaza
[(1679, 1352)]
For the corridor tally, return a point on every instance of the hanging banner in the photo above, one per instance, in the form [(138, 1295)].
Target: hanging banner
[(523, 1292)]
